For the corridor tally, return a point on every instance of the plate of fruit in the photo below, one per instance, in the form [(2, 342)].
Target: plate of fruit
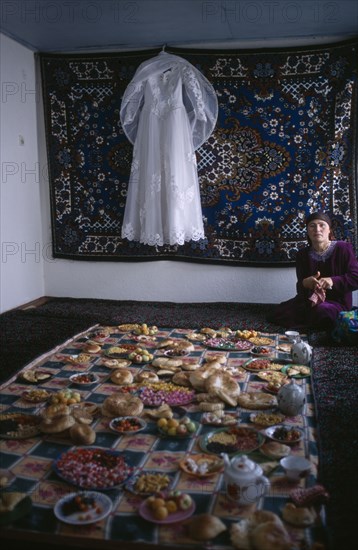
[(127, 424), (177, 427), (83, 508), (140, 355), (167, 507)]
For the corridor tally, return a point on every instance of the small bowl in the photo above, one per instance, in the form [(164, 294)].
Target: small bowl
[(295, 467), (292, 335)]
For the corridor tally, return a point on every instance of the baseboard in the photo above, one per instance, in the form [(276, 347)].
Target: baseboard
[(34, 303)]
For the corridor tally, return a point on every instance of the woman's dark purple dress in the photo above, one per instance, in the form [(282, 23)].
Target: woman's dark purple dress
[(338, 262)]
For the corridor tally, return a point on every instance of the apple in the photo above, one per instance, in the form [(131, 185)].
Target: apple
[(184, 501), (190, 426), (182, 429)]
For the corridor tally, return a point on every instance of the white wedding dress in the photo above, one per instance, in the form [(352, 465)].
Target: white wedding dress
[(168, 110)]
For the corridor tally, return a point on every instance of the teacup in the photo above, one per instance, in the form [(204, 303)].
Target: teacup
[(295, 467), (293, 336)]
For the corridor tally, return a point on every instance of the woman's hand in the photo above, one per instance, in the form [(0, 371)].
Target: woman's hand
[(312, 282), (326, 283), (315, 281)]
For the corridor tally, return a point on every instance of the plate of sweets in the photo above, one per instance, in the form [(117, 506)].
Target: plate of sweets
[(127, 424), (117, 352), (297, 371), (233, 440), (19, 425), (262, 351), (228, 344), (272, 376), (257, 365), (34, 376), (93, 468), (84, 378), (267, 418), (83, 508), (149, 482), (36, 396), (156, 393), (201, 465), (284, 434), (167, 507), (262, 341)]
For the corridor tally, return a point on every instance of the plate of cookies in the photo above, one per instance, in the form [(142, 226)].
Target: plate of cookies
[(296, 371), (36, 395)]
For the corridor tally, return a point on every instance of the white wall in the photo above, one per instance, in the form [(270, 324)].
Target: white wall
[(22, 276)]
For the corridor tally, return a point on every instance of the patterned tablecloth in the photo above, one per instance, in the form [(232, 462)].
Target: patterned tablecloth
[(29, 462)]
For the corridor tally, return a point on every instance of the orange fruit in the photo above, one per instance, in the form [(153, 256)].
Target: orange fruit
[(160, 513), (173, 423), (162, 422), (171, 506), (158, 503)]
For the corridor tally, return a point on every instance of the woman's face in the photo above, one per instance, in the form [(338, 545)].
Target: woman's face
[(318, 231)]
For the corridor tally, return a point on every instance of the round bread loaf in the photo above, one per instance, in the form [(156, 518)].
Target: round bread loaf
[(81, 415), (274, 449), (92, 348), (82, 434), (302, 517), (181, 379), (122, 376), (146, 376), (205, 527), (57, 409), (256, 400), (270, 535), (56, 424), (122, 404)]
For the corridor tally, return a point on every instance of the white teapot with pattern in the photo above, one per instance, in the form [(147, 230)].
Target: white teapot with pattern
[(244, 480), (301, 352), (291, 399)]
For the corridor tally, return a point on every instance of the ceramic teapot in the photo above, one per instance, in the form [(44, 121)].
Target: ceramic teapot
[(291, 399), (244, 481), (301, 352)]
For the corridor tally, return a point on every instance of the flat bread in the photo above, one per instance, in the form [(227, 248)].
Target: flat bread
[(256, 400), (301, 517), (8, 501), (274, 449), (35, 376)]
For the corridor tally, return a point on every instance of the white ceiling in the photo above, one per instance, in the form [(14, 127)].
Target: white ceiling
[(96, 25)]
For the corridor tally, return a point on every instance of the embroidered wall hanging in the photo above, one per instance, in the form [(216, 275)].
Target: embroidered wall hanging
[(284, 145)]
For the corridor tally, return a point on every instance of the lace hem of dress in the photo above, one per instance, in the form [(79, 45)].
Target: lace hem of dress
[(327, 253), (176, 237)]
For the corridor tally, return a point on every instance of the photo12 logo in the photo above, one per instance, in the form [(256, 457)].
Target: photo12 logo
[(70, 11), (26, 252), (266, 12)]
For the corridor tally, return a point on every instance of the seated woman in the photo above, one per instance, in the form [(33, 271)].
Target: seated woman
[(327, 273)]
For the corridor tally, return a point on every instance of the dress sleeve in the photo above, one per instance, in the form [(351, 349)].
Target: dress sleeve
[(132, 103), (347, 265), (200, 102)]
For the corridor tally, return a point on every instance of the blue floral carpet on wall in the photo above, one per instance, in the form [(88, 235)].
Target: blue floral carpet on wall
[(283, 146)]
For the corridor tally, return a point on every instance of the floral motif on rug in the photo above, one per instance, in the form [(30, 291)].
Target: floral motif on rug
[(283, 146)]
